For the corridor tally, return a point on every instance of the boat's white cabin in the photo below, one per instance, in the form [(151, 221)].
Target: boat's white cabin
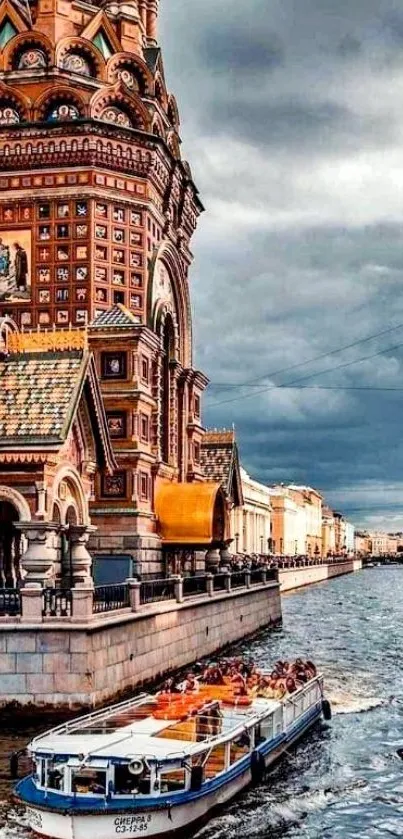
[(129, 750)]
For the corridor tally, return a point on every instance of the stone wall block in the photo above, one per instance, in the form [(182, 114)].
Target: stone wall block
[(19, 642), (56, 663), (70, 683), (53, 642), (40, 683), (29, 663), (80, 642), (12, 683), (79, 663), (7, 663)]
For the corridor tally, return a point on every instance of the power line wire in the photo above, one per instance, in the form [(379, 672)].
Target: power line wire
[(215, 404), (250, 382)]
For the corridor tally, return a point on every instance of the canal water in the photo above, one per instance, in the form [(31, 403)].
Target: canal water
[(345, 780)]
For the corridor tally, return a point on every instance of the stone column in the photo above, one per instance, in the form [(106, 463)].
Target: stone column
[(38, 561), (210, 584), (81, 560), (227, 580), (134, 589), (32, 603), (83, 602), (178, 588), (225, 557), (212, 559)]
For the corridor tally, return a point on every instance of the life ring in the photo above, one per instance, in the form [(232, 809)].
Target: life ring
[(257, 766), (326, 709)]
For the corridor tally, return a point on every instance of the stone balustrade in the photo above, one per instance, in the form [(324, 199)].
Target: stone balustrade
[(35, 604)]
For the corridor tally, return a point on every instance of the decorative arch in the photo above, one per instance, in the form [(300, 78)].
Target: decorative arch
[(118, 99), (15, 101), (80, 46), (12, 496), (25, 41), (69, 476), (168, 256), (60, 94), (158, 127), (126, 61), (160, 92), (173, 112)]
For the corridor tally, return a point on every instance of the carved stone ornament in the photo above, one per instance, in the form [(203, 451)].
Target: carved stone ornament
[(76, 63), (32, 59), (38, 561), (116, 116), (9, 116)]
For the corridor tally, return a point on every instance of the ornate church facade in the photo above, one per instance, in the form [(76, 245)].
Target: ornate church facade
[(97, 210)]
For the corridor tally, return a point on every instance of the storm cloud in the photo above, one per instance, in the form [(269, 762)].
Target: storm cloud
[(292, 122)]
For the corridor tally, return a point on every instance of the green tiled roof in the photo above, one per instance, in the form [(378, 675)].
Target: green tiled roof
[(38, 393)]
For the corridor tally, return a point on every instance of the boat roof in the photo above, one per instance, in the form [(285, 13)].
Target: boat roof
[(97, 737)]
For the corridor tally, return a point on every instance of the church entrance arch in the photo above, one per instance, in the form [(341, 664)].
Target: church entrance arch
[(10, 545)]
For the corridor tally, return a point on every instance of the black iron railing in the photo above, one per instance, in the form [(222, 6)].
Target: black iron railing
[(194, 585), (154, 591), (271, 574), (57, 603), (238, 579), (111, 598), (10, 602), (219, 582), (256, 575)]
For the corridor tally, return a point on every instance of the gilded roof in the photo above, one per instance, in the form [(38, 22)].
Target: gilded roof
[(37, 396), (185, 512)]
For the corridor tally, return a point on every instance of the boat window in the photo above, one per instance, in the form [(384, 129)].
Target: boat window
[(266, 728), (215, 762), (128, 784), (88, 781), (240, 747), (55, 778), (173, 780)]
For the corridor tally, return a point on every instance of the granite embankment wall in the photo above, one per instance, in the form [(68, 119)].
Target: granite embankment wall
[(58, 664), (292, 578)]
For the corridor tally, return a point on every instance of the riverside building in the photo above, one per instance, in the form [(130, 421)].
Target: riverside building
[(97, 210)]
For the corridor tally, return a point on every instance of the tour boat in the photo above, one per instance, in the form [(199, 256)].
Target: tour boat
[(157, 765)]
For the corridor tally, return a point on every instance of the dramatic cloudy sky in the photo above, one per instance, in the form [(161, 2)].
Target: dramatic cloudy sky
[(292, 120)]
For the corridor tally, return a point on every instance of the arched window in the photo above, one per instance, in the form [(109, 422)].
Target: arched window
[(8, 114), (10, 545), (62, 111), (31, 59), (76, 63), (167, 394), (116, 116)]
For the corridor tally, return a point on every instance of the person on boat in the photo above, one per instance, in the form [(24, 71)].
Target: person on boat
[(191, 684), (239, 683), (290, 685), (310, 669)]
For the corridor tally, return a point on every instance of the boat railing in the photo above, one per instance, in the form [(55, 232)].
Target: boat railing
[(111, 598), (295, 705), (95, 716), (10, 602)]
